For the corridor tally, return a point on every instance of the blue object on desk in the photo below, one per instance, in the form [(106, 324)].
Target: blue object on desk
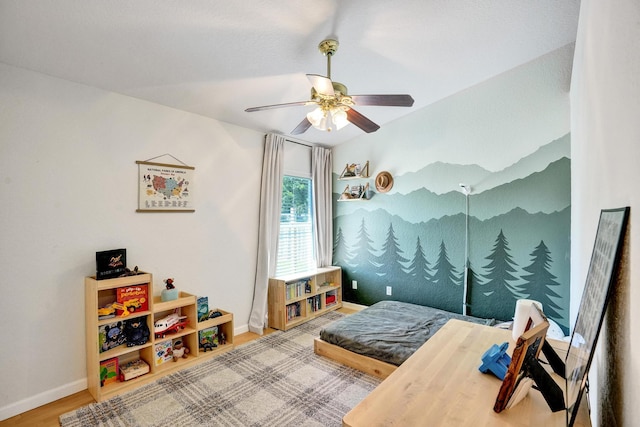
[(496, 360)]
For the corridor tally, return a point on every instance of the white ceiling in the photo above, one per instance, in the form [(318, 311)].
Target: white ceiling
[(216, 58)]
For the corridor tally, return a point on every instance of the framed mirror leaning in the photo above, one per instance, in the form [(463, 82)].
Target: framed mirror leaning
[(601, 275)]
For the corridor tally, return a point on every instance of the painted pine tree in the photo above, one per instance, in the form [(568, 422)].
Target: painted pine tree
[(364, 267), (418, 285), (419, 269), (446, 283), (341, 253), (539, 283), (501, 295), (363, 257), (390, 265)]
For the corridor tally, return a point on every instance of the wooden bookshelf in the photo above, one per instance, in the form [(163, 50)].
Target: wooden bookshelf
[(98, 293), (298, 298)]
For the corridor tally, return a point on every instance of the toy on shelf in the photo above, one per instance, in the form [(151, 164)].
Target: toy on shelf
[(171, 323), (129, 272), (170, 293), (125, 308), (179, 350), (106, 312), (133, 369), (136, 331), (214, 313)]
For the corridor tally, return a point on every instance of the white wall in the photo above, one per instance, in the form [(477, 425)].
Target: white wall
[(493, 124), (68, 188), (605, 101)]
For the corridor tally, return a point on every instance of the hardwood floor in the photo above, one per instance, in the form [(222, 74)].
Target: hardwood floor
[(48, 415)]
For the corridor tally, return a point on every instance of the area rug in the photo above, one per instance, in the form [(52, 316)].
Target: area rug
[(276, 380)]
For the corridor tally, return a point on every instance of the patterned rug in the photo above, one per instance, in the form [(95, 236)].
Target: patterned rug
[(276, 380)]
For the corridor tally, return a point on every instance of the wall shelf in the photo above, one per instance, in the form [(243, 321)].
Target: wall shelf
[(352, 172)]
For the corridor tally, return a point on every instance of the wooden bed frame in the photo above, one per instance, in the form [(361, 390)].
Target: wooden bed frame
[(362, 363)]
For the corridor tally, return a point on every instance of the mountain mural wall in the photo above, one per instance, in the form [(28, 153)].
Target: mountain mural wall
[(413, 239)]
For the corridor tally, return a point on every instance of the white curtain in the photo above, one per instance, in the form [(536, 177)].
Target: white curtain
[(269, 228), (321, 169)]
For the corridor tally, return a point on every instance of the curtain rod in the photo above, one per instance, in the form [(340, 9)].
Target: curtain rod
[(305, 144), (299, 143)]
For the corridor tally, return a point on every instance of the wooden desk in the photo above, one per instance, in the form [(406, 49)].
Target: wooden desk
[(440, 385)]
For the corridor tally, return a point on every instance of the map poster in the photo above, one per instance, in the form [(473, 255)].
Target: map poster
[(165, 188)]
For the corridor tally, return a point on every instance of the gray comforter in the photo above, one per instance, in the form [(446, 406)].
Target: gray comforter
[(390, 331)]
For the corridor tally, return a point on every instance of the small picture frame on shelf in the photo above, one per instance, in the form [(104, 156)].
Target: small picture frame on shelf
[(111, 263), (355, 170), (352, 170)]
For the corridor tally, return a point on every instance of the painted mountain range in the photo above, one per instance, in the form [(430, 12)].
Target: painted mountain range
[(518, 239)]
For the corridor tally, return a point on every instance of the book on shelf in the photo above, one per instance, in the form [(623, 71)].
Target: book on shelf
[(163, 352), (133, 298), (314, 303), (293, 310), (208, 338), (110, 336), (203, 308), (133, 369), (108, 371), (298, 288)]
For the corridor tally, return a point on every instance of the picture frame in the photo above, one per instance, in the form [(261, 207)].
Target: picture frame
[(111, 263), (602, 273), (165, 187), (526, 351)]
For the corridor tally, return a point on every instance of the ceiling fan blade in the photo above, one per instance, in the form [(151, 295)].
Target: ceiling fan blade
[(321, 84), (383, 100), (269, 107), (302, 127), (361, 121)]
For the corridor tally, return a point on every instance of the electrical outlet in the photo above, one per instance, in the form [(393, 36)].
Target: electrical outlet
[(388, 290), (354, 284)]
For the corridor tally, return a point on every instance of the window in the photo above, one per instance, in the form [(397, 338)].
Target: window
[(295, 244)]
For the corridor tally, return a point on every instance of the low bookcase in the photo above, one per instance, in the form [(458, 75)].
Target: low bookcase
[(298, 298), (99, 293)]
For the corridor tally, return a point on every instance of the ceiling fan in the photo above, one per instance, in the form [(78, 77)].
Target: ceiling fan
[(334, 105)]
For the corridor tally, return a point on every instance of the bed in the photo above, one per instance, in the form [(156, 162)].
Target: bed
[(379, 338)]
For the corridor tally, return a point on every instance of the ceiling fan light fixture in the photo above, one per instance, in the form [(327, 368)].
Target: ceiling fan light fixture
[(339, 118), (335, 108), (316, 116), (326, 119)]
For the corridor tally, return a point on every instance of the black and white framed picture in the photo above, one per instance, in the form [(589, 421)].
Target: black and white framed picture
[(602, 272)]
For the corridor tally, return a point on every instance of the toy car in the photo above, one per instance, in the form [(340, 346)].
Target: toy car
[(171, 323), (127, 308), (107, 311)]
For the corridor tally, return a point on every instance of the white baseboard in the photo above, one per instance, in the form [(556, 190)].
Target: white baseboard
[(43, 398)]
